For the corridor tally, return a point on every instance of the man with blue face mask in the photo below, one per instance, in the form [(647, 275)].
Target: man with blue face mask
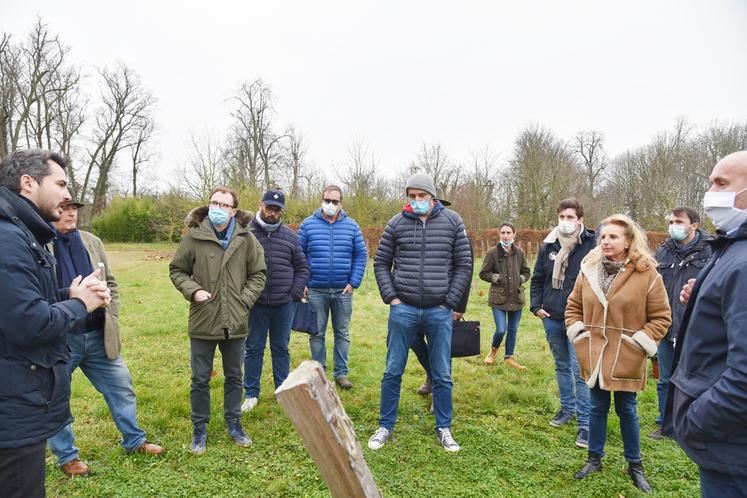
[(422, 267), (680, 258), (707, 401), (220, 269)]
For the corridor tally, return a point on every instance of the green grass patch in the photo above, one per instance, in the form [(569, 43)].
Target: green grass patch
[(500, 415)]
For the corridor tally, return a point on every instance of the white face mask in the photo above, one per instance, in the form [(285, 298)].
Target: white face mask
[(719, 206), (567, 227), (329, 209)]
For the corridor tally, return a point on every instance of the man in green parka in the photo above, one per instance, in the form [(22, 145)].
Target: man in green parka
[(219, 267)]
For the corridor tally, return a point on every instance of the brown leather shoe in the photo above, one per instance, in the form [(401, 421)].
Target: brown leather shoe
[(75, 468), (343, 382), (151, 449), (513, 364)]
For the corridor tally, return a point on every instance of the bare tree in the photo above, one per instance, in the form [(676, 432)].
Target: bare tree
[(205, 167), (475, 199), (294, 162), (125, 103), (139, 152), (589, 149), (433, 159)]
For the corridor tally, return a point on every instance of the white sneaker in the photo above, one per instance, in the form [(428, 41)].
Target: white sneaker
[(248, 404), (379, 437), (447, 441)]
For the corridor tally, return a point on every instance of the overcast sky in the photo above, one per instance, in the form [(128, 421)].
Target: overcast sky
[(466, 74)]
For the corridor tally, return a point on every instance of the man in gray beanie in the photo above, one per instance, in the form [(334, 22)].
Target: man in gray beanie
[(422, 274)]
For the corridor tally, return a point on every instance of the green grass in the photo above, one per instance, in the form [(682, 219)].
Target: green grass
[(500, 416)]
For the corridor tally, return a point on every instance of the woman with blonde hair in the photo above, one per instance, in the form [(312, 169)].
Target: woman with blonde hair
[(616, 314)]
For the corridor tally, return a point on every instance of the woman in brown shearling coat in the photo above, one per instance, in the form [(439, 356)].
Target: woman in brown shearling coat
[(617, 313)]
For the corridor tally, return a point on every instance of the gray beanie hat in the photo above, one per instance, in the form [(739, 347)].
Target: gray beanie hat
[(422, 181)]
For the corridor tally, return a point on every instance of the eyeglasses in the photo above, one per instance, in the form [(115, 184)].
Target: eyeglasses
[(216, 204), (331, 201)]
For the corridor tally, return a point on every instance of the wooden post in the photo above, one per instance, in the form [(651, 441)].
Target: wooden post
[(312, 404)]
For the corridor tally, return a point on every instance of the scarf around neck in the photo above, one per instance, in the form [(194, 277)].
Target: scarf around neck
[(607, 271), (567, 243), (267, 227)]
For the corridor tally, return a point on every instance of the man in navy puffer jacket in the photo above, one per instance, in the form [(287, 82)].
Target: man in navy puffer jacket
[(422, 266), (337, 255), (287, 272)]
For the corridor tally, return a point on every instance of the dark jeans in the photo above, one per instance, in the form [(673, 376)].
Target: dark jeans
[(22, 471), (275, 320), (506, 322), (626, 407), (664, 354), (718, 485), (420, 348), (203, 353)]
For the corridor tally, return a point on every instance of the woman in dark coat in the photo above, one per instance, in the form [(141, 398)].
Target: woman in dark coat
[(505, 267)]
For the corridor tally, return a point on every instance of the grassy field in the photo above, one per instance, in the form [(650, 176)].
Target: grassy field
[(500, 416)]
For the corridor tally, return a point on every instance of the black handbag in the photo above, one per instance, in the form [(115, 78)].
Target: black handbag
[(465, 338), (304, 318)]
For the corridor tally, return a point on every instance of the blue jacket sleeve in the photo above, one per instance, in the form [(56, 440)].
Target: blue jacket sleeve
[(537, 287), (302, 239), (383, 260), (360, 258), (462, 267), (721, 410), (28, 318)]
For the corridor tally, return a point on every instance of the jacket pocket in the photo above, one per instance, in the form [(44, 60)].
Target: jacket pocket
[(32, 384), (497, 295), (202, 317), (520, 297), (630, 361), (582, 346)]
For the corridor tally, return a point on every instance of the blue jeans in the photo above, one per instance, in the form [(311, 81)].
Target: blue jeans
[(277, 321), (664, 354), (506, 321), (566, 372), (719, 485), (626, 407), (112, 379), (341, 307), (404, 322)]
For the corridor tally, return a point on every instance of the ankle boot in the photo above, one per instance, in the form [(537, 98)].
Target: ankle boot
[(635, 471), (490, 358), (513, 363), (593, 464), (426, 387)]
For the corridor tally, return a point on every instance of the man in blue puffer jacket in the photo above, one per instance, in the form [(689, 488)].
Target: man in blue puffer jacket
[(423, 266), (287, 272), (337, 255), (36, 316)]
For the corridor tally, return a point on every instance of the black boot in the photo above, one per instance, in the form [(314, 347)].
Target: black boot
[(635, 471), (593, 464)]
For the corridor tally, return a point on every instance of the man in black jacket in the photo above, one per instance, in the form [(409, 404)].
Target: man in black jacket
[(35, 381), (707, 401), (555, 271), (287, 272), (680, 258), (422, 267)]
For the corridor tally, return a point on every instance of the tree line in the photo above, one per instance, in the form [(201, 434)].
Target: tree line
[(111, 135)]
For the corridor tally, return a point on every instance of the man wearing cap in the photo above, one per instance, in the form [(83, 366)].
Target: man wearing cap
[(95, 346), (337, 256), (272, 313), (422, 266)]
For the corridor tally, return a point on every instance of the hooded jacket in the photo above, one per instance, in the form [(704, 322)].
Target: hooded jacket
[(612, 334), (424, 264), (34, 377), (336, 252), (234, 277), (676, 268), (707, 403)]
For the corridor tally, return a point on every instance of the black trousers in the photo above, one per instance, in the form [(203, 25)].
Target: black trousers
[(203, 353), (22, 471)]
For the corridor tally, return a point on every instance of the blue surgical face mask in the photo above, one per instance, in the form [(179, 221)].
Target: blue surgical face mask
[(508, 244), (677, 232), (567, 227), (420, 206), (217, 216)]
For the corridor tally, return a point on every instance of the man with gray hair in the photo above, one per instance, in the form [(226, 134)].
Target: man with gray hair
[(422, 266)]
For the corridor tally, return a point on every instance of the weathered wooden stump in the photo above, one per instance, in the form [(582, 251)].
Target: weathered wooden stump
[(312, 404)]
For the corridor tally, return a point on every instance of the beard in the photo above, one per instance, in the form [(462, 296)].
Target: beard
[(50, 210)]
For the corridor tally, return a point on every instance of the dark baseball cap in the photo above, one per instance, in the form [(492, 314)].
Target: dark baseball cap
[(274, 198)]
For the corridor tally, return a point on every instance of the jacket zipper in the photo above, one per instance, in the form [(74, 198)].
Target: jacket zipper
[(269, 249)]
